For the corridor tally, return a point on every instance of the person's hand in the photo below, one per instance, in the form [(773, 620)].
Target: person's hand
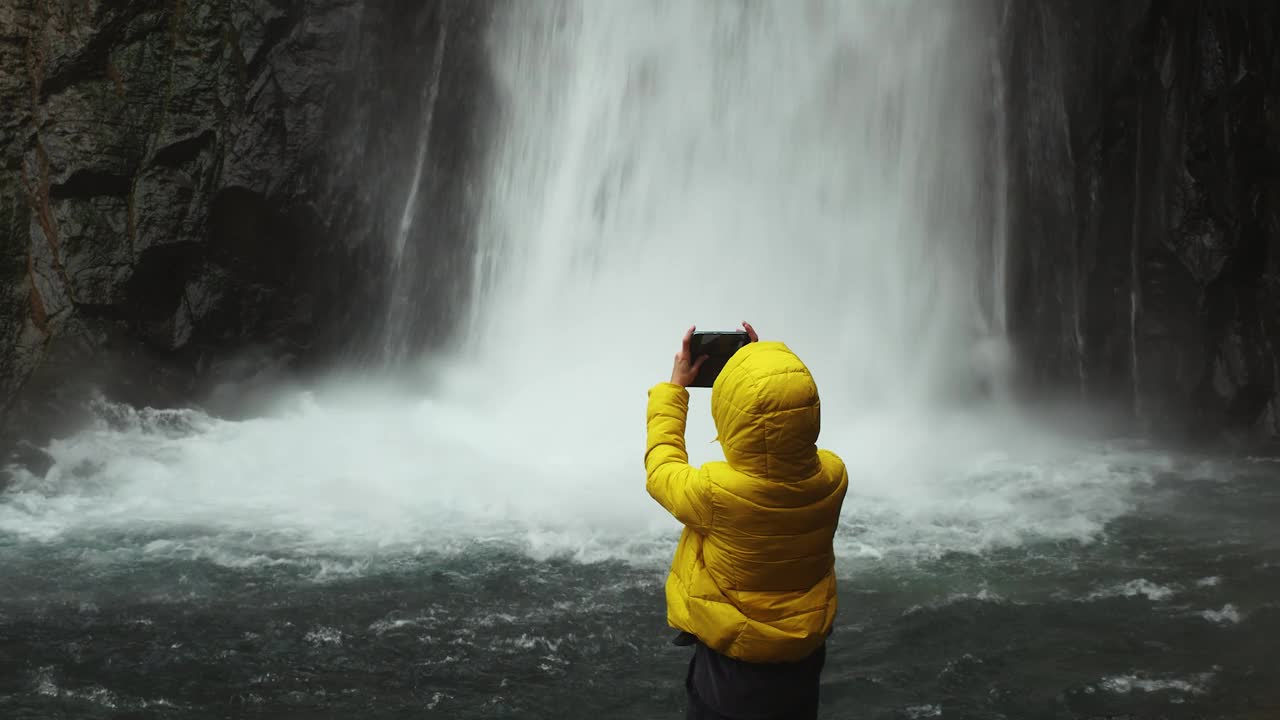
[(685, 370), (751, 332)]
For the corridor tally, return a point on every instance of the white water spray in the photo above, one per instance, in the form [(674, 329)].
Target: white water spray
[(815, 168), (810, 167)]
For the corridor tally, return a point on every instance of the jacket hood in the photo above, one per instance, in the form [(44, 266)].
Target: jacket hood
[(767, 414)]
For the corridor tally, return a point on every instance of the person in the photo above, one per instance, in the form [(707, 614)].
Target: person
[(752, 585)]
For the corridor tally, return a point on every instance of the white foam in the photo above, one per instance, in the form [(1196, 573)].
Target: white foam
[(1228, 615), (533, 642), (327, 487), (984, 595), (46, 685), (324, 635), (382, 627), (1124, 684), (1136, 588)]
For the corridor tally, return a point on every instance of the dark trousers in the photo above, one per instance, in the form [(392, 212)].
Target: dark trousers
[(699, 711), (721, 688)]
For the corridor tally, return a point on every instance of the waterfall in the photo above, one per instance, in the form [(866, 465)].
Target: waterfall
[(814, 168), (401, 303), (1000, 220), (431, 95)]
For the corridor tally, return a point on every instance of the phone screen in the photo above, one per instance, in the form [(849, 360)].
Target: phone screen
[(719, 346)]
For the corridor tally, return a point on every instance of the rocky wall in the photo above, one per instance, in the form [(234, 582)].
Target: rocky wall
[(1145, 227), (198, 192)]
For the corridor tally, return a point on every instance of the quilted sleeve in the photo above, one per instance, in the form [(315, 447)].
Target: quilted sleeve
[(680, 488)]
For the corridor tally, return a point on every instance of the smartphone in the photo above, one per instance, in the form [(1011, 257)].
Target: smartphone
[(719, 347)]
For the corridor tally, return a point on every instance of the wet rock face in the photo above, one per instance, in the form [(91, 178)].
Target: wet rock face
[(1145, 167), (181, 182)]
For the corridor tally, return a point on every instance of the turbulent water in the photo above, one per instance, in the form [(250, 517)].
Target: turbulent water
[(482, 546)]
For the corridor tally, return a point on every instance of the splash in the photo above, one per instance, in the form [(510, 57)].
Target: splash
[(810, 167)]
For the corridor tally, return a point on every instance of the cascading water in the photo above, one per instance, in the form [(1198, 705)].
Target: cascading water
[(812, 168), (400, 302), (815, 169)]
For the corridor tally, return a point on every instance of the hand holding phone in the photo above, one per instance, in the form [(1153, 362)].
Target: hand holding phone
[(704, 354)]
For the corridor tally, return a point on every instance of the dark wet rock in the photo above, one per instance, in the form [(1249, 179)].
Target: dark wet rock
[(1145, 166), (186, 184)]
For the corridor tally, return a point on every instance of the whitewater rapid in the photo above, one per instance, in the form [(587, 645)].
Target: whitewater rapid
[(374, 478)]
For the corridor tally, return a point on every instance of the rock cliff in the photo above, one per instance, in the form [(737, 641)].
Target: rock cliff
[(1145, 171), (195, 191)]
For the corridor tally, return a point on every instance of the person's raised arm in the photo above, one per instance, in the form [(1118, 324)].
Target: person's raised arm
[(676, 485), (680, 488)]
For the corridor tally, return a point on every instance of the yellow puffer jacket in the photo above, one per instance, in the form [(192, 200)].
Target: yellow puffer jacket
[(754, 574)]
